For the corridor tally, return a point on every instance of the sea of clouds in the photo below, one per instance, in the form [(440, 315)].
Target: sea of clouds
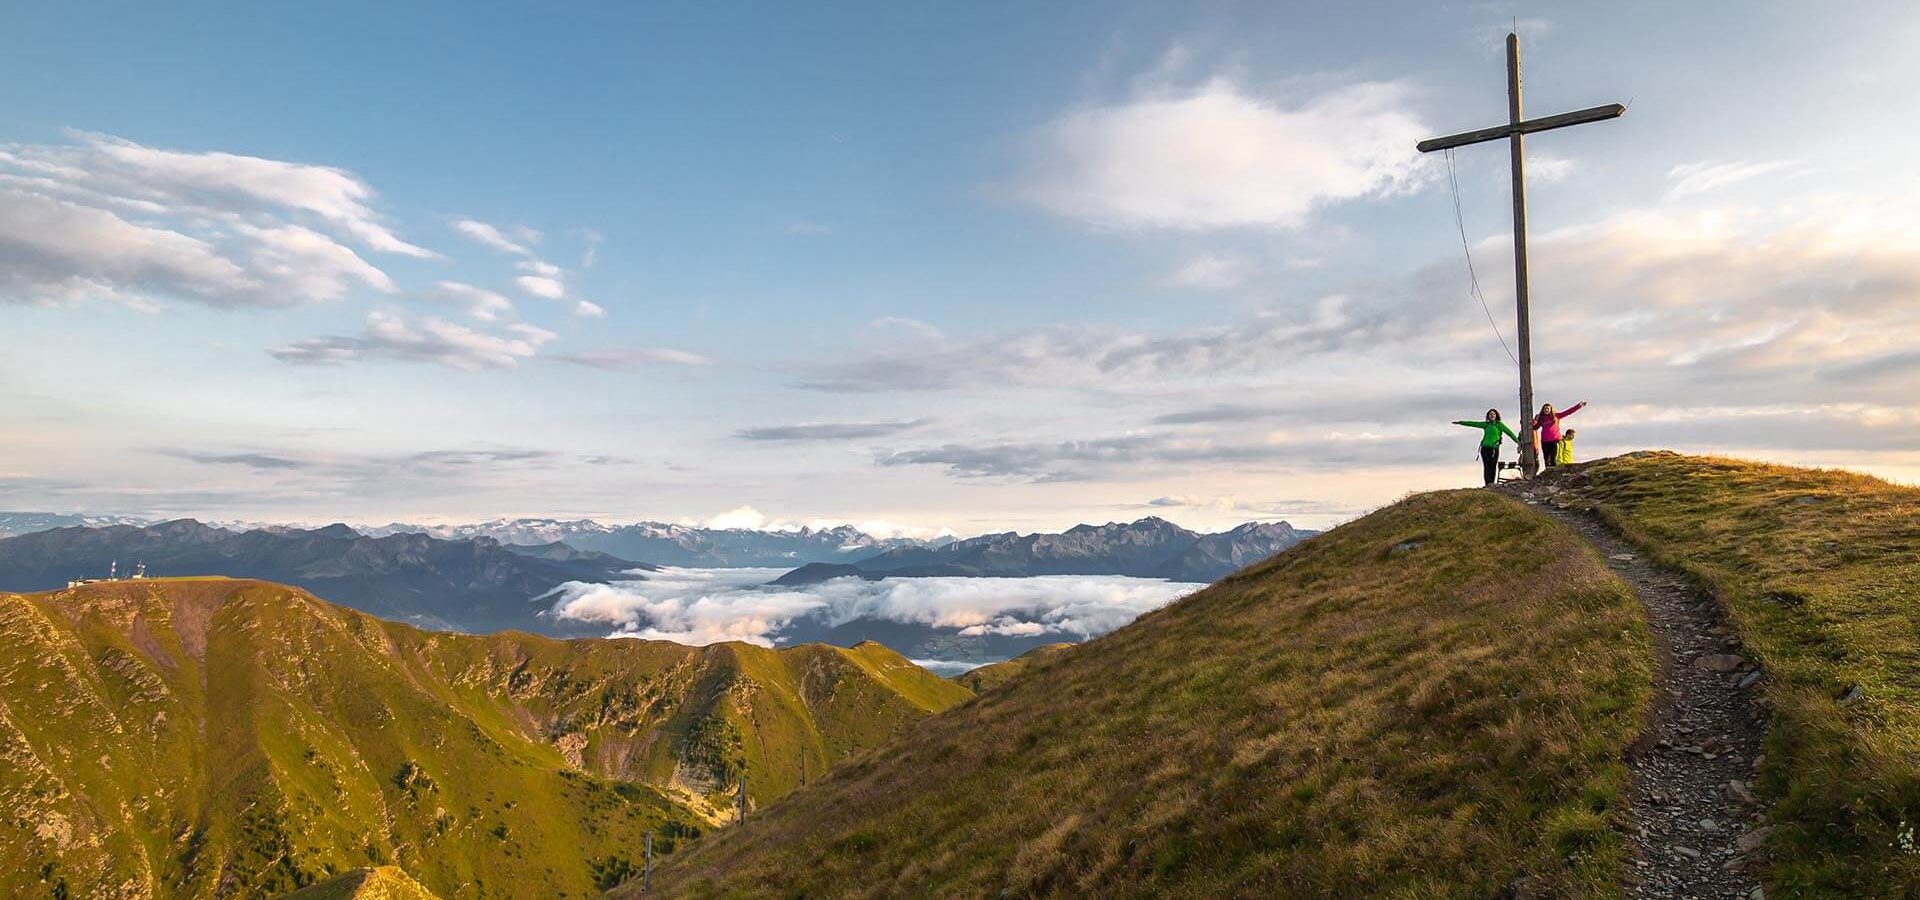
[(704, 606)]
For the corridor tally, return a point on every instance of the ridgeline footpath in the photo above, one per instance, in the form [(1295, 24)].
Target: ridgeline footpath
[(1818, 575), (1695, 817)]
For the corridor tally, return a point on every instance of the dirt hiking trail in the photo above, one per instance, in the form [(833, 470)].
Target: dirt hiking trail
[(1696, 820)]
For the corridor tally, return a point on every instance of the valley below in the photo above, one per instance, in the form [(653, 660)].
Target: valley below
[(954, 603)]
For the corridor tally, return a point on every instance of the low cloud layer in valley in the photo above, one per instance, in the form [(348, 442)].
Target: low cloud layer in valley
[(704, 606)]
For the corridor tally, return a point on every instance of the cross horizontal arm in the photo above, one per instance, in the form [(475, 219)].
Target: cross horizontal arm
[(1544, 123)]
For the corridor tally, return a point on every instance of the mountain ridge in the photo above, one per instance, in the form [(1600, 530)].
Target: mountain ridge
[(475, 585), (19, 522), (1150, 547), (692, 546), (671, 544), (193, 736)]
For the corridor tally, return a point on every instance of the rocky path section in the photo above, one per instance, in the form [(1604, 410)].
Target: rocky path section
[(1697, 821)]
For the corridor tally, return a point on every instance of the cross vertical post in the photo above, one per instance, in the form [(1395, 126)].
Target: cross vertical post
[(1517, 147), (1515, 131)]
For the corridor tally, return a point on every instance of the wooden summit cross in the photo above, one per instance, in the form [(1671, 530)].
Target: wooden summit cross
[(1515, 131)]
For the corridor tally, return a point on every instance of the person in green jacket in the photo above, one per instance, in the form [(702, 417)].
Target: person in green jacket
[(1490, 431)]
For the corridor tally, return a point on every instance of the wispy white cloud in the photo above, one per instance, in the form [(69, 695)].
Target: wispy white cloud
[(828, 431), (541, 286), (490, 236), (107, 218), (1210, 272), (58, 251), (616, 359), (1544, 169), (429, 340), (219, 181), (1703, 177), (1222, 156), (543, 279), (482, 304), (310, 264)]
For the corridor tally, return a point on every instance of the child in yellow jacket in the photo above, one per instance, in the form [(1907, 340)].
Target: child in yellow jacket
[(1563, 453)]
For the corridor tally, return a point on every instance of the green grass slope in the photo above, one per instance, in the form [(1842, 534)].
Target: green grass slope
[(991, 676), (1820, 572), (219, 737), (380, 883), (1429, 702)]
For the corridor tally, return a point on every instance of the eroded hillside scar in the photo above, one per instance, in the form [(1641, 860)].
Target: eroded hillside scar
[(1696, 819)]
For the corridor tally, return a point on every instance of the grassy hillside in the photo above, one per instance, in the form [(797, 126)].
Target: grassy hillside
[(380, 883), (987, 677), (213, 737), (1429, 702), (1820, 572)]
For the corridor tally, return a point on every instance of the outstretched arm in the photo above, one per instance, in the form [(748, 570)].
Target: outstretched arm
[(1469, 424), (1572, 409), (1508, 431)]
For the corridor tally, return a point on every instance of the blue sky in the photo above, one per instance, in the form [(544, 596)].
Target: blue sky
[(970, 266)]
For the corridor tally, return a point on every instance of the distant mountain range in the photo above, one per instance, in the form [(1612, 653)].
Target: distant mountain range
[(660, 543), (1149, 548), (477, 585), (676, 545), (500, 575), (12, 523)]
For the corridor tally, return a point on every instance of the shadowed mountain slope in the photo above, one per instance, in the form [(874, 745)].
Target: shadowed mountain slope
[(216, 737), (1432, 701), (994, 675)]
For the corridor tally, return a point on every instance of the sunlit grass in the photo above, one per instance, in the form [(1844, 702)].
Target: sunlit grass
[(1442, 720), (1820, 572)]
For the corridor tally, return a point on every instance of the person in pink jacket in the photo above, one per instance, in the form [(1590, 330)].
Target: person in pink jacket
[(1547, 426)]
